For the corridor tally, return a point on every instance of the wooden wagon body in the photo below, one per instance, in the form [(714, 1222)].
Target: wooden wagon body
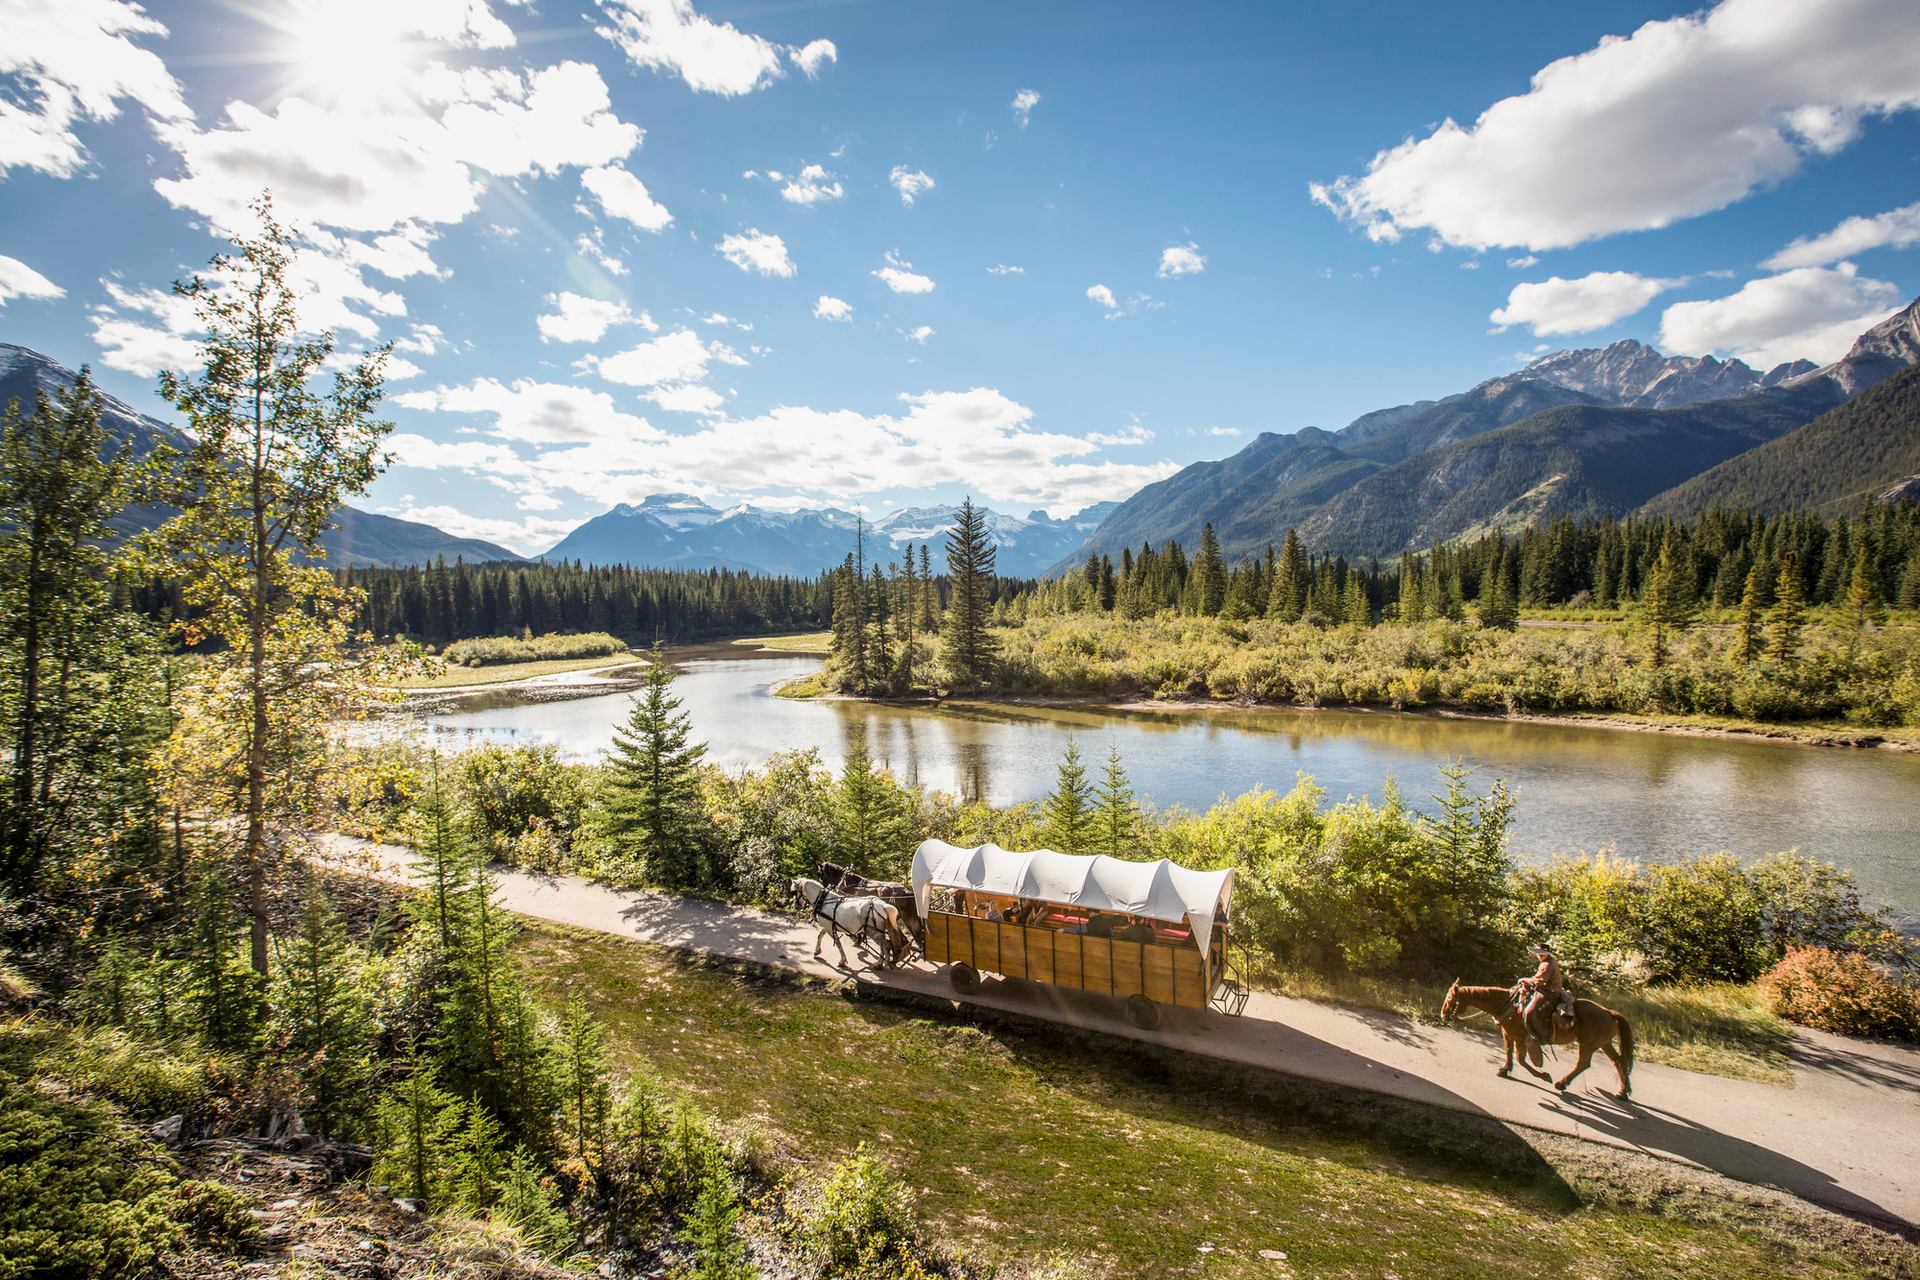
[(1026, 915)]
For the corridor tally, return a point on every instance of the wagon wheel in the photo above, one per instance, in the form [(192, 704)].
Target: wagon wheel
[(964, 977), (1142, 1012)]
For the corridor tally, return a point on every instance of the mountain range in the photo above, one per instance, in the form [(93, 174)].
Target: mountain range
[(678, 530), (358, 539), (1597, 432)]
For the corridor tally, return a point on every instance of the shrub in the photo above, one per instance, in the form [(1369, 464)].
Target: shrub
[(496, 650), (857, 1221), (526, 800), (214, 1215), (1842, 993)]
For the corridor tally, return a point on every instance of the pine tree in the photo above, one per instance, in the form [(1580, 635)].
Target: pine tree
[(1496, 607), (1746, 633), (1667, 601), (1208, 579), (323, 1012), (1116, 817), (444, 859), (1862, 593), (1359, 609), (416, 1122), (583, 1075), (873, 827), (851, 639), (60, 483), (1066, 816), (929, 592), (530, 1206), (475, 1166), (970, 646), (1787, 613), (713, 1226), (1412, 600), (907, 616), (1287, 597), (654, 809)]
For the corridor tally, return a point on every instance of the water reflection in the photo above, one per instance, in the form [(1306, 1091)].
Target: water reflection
[(1650, 795)]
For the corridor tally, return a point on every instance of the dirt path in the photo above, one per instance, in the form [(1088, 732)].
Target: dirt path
[(1847, 1136)]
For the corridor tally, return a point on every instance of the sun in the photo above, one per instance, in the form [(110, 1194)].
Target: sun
[(347, 53)]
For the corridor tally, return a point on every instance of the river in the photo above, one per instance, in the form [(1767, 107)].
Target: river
[(1649, 795)]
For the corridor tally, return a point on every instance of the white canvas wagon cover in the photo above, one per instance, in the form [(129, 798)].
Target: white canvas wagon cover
[(1160, 890)]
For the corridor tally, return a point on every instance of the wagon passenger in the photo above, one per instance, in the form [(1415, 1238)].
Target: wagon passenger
[(1135, 930)]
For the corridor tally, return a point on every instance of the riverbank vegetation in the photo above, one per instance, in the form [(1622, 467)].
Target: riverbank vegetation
[(497, 650), (1730, 618)]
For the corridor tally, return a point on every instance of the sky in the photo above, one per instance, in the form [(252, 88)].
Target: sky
[(873, 255)]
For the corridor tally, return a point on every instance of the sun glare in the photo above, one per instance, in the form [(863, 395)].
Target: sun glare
[(347, 53)]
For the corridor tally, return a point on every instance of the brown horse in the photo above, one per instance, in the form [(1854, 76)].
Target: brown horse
[(1594, 1026)]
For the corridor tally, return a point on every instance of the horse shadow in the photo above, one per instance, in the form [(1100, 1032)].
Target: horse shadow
[(1658, 1131)]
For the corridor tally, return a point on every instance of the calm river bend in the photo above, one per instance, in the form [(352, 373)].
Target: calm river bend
[(1647, 795)]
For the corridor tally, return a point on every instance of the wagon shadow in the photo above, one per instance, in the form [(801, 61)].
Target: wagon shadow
[(1866, 1062)]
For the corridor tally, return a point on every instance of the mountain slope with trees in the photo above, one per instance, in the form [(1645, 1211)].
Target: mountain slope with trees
[(1860, 450)]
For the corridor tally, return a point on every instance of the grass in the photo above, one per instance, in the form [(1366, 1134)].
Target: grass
[(1720, 1029), (805, 642), (1022, 1144), (506, 672)]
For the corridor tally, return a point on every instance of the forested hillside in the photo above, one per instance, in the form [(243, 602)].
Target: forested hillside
[(1854, 452)]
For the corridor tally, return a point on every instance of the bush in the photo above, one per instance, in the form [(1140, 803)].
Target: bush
[(857, 1221), (1842, 993), (496, 650), (526, 800)]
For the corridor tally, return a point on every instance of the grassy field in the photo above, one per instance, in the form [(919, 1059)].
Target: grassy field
[(1719, 1028), (1022, 1145), (507, 672), (805, 642)]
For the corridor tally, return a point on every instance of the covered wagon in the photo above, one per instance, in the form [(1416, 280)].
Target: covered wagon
[(1148, 933)]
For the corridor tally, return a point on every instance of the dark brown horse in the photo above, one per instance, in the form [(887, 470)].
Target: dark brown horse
[(1594, 1027), (843, 880)]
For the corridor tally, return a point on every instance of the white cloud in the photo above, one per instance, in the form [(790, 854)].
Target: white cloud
[(1522, 262), (594, 246), (18, 280), (1811, 313), (1682, 117), (1181, 260), (831, 308), (553, 118), (1002, 269), (910, 183), (813, 55), (1894, 229), (792, 455), (712, 57), (1594, 301), (528, 536), (919, 334), (1023, 104), (75, 60), (1103, 295), (812, 185), (525, 411), (578, 318), (143, 331), (900, 276), (1134, 434), (680, 356), (755, 250), (688, 397), (625, 196), (1225, 431)]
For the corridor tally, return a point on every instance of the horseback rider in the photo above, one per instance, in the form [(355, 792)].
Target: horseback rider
[(1541, 991)]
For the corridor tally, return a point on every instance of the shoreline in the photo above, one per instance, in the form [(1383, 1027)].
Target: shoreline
[(1617, 721)]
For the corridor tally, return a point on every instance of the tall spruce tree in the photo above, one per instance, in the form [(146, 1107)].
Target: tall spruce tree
[(1208, 578), (1667, 600), (970, 644), (1746, 630), (653, 779), (1863, 595), (60, 484), (1787, 612), (1287, 597), (1116, 816), (323, 1011), (873, 828), (1067, 815)]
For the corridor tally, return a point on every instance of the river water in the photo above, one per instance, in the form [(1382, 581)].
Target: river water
[(1648, 795)]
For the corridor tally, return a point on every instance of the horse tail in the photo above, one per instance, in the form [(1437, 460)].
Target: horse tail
[(1626, 1042)]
